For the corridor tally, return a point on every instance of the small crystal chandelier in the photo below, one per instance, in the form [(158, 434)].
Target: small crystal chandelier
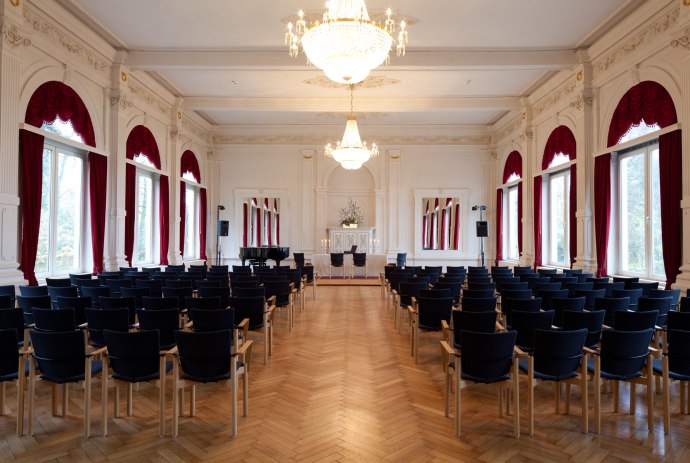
[(346, 44), (351, 152)]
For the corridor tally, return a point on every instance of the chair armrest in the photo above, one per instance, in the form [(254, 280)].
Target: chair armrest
[(98, 352), (520, 353), (244, 326), (445, 326), (271, 308), (245, 353), (606, 327), (589, 351), (500, 327), (172, 352), (271, 301), (188, 325), (448, 350), (654, 352)]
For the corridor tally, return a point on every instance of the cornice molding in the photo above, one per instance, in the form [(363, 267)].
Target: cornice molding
[(194, 129), (122, 101), (149, 97), (683, 41), (580, 102), (369, 82), (644, 37), (13, 37), (476, 140), (58, 37), (560, 93), (509, 129)]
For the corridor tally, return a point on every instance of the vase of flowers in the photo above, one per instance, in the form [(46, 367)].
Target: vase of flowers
[(351, 215)]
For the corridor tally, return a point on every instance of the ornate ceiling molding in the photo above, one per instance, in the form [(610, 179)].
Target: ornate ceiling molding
[(582, 101), (149, 97), (554, 97), (638, 40), (360, 116), (682, 41), (508, 129), (58, 37), (369, 82), (13, 37), (476, 140)]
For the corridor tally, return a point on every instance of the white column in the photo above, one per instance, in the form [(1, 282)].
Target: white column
[(308, 231), (683, 280), (321, 214), (530, 163), (380, 230), (13, 42), (395, 225)]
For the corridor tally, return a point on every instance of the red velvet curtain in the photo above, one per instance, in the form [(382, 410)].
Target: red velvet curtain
[(269, 223), (202, 223), (56, 100), (513, 166), (188, 163), (671, 184), (456, 237), (499, 225), (258, 222), (434, 225), (572, 214), (31, 182), (519, 213), (275, 204), (561, 140), (130, 210), (183, 213), (245, 225), (98, 180), (647, 100), (537, 221), (602, 209), (444, 222), (141, 141), (164, 218)]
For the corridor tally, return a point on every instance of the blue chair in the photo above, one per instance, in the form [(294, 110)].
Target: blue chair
[(561, 304), (136, 293), (634, 321), (213, 320), (428, 317), (593, 322), (479, 322), (546, 296), (160, 303), (509, 305), (27, 304), (58, 282), (633, 294), (207, 358), (166, 322), (61, 358), (487, 358), (33, 291), (116, 285), (611, 305), (11, 292), (609, 287), (662, 304), (155, 286), (526, 323), (54, 320), (109, 303), (10, 361), (99, 320), (258, 316), (13, 319), (402, 300), (477, 293), (61, 291), (337, 261), (79, 304), (674, 365), (674, 294), (401, 259), (623, 356), (133, 358), (646, 286), (557, 356), (478, 304), (95, 293), (627, 281), (590, 295)]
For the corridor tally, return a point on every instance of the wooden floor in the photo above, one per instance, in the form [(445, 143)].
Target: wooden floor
[(342, 386)]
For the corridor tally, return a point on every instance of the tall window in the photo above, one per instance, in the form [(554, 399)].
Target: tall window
[(640, 247), (62, 211), (191, 231), (558, 223), (144, 221), (512, 220)]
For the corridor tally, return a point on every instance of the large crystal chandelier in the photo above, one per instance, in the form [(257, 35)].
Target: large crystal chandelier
[(351, 152), (346, 44)]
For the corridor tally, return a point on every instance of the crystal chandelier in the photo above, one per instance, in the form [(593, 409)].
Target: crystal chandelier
[(351, 152), (346, 44)]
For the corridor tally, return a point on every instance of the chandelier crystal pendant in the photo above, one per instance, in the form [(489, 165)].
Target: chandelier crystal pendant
[(351, 152), (346, 44)]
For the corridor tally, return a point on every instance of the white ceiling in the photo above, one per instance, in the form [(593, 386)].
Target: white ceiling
[(467, 62)]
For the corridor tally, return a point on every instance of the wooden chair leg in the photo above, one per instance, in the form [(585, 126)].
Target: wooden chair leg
[(666, 395), (633, 398), (175, 399), (233, 396), (21, 386), (87, 399), (457, 397), (516, 398), (597, 394), (161, 398), (530, 395), (650, 395), (104, 401), (585, 395)]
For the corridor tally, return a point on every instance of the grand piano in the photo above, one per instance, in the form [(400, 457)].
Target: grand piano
[(260, 254)]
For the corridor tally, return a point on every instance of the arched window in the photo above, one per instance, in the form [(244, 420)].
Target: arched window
[(556, 199), (647, 185), (54, 215), (143, 191), (192, 209), (509, 210)]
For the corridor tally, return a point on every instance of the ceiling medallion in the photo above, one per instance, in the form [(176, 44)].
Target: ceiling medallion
[(346, 44)]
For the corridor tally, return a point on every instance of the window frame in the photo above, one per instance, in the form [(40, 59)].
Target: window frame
[(508, 238), (154, 214), (191, 227), (548, 246)]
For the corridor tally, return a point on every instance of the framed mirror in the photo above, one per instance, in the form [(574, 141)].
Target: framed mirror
[(260, 216), (440, 217)]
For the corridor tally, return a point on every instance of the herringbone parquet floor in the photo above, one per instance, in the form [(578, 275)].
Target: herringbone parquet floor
[(342, 386)]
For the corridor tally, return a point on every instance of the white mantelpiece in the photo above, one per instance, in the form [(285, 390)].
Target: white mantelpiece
[(342, 239)]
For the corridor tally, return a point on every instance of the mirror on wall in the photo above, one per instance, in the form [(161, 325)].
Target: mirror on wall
[(261, 221), (440, 223)]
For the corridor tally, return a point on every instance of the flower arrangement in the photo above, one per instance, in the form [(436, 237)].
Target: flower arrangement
[(351, 214)]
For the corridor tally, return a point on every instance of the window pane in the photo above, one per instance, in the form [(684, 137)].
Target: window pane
[(44, 227), (144, 219), (190, 223), (513, 252), (68, 212), (557, 185), (632, 205), (655, 209)]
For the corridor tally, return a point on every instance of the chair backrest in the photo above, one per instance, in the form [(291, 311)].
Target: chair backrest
[(674, 294), (478, 304), (99, 320), (561, 304), (223, 294), (592, 321), (487, 357), (401, 259), (79, 304), (471, 280), (359, 259), (679, 352), (73, 277), (206, 303), (110, 302), (546, 296), (177, 284), (212, 320), (662, 304), (237, 268), (678, 321), (541, 279), (547, 271), (517, 293), (634, 321), (249, 292), (432, 310), (116, 285), (609, 287), (62, 291), (27, 303), (634, 295), (33, 290), (508, 305), (481, 286), (8, 290), (526, 323), (95, 293), (54, 319), (646, 286), (308, 270), (133, 355), (590, 295), (180, 293), (137, 293), (611, 305), (59, 355), (204, 356), (337, 259), (299, 259), (479, 322), (627, 281), (435, 292), (454, 289), (624, 353), (582, 277), (511, 285), (13, 319), (166, 322), (558, 354), (201, 269), (155, 286), (9, 354), (160, 303), (57, 282), (572, 287), (249, 307), (571, 271), (546, 286), (410, 290), (279, 289)]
